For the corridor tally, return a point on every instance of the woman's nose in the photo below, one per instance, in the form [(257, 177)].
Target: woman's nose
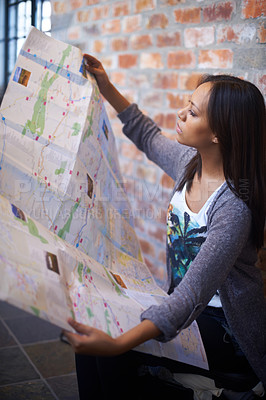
[(181, 113)]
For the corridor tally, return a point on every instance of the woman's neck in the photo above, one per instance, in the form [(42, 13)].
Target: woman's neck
[(212, 167)]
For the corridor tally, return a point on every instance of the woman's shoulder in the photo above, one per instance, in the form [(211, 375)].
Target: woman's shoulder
[(229, 204)]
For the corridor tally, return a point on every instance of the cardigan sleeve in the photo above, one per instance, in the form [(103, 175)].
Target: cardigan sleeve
[(227, 235), (167, 153)]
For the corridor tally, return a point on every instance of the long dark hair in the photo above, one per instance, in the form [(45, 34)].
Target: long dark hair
[(236, 114)]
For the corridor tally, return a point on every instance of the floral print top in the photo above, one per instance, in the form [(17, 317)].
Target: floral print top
[(186, 231)]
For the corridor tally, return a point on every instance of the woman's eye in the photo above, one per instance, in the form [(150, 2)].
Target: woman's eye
[(192, 113)]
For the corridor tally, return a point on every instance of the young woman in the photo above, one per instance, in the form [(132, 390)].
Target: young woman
[(215, 226)]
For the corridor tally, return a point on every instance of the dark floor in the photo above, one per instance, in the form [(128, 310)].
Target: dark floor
[(34, 363)]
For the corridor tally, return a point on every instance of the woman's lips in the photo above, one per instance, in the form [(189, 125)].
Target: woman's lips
[(178, 129)]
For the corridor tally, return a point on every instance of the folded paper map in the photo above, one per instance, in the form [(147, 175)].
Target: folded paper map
[(68, 245)]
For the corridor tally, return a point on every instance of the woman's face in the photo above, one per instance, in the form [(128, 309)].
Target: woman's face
[(192, 126)]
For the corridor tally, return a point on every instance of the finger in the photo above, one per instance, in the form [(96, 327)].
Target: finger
[(70, 336), (75, 340), (93, 70), (91, 60), (80, 328)]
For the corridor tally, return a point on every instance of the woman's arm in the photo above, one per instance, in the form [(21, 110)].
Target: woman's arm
[(107, 89), (95, 342), (143, 132)]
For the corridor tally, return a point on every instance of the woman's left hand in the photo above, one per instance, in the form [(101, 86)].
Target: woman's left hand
[(91, 341), (95, 342)]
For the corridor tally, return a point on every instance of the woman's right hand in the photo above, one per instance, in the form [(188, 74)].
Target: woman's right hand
[(95, 67), (110, 93)]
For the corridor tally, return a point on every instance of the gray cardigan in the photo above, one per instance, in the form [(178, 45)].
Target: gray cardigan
[(225, 262)]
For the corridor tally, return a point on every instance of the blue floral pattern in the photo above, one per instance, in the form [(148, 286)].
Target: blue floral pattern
[(184, 238)]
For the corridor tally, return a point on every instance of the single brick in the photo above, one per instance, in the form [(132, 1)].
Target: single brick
[(147, 247), (253, 8), (167, 121), (153, 100), (118, 78), (197, 37), (59, 7), (177, 101), (107, 61), (144, 5), (219, 11), (239, 34), (132, 23), (75, 4), (139, 42), (165, 80), (187, 15), (119, 44), (98, 46), (92, 2), (181, 59), (83, 16), (157, 21), (169, 39), (151, 60), (128, 60), (138, 80), (221, 58), (120, 9), (100, 12), (111, 26)]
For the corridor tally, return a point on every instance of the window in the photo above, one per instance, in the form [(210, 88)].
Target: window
[(16, 17)]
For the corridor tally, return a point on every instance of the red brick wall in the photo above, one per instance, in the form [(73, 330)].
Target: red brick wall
[(154, 52)]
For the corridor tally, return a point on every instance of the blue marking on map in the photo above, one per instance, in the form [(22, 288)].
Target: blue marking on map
[(71, 76), (41, 139), (4, 144)]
